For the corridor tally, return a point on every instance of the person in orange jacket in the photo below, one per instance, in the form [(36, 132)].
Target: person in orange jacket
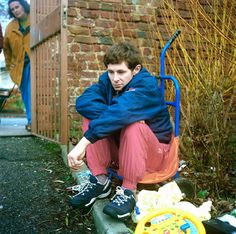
[(1, 39), (16, 48)]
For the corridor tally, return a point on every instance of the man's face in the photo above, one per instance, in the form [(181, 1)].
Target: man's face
[(120, 75), (17, 10)]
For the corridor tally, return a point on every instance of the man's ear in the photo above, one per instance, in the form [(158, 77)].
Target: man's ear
[(137, 69)]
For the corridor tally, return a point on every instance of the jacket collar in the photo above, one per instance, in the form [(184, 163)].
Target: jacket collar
[(15, 24)]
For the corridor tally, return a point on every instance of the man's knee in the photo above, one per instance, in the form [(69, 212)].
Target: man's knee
[(133, 129)]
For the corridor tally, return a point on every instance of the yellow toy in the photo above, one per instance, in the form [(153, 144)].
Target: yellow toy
[(170, 221)]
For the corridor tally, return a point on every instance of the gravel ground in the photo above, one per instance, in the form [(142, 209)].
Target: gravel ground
[(33, 198)]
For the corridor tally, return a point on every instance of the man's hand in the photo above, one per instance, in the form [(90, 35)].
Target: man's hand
[(75, 157)]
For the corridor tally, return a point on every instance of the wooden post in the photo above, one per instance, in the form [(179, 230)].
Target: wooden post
[(63, 78)]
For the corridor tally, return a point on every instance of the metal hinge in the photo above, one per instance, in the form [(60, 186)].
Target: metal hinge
[(64, 16)]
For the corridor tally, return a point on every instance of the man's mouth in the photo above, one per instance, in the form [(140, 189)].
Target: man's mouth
[(117, 87)]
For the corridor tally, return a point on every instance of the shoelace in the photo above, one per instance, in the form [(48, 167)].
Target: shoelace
[(77, 188), (86, 188), (120, 197)]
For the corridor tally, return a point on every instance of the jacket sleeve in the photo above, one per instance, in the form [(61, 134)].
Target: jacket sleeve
[(93, 100), (143, 102), (7, 50)]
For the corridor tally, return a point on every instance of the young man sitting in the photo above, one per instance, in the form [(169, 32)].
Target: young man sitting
[(126, 121)]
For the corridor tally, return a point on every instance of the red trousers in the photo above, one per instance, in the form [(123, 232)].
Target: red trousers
[(135, 150)]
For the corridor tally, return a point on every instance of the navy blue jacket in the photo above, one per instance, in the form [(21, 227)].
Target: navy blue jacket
[(140, 99)]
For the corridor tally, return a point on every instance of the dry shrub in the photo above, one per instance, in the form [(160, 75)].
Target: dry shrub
[(203, 60)]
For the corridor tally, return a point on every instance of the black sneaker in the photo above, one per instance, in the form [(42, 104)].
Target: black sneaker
[(121, 205), (90, 192), (28, 127)]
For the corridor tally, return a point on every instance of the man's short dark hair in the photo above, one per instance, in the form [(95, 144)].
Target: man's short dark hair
[(123, 52), (23, 3)]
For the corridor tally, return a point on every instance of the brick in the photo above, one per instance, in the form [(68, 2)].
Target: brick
[(70, 59), (116, 32), (136, 17), (147, 43), (72, 65), (97, 48), (105, 23), (70, 20), (93, 66), (75, 48), (106, 40), (72, 3), (86, 57), (185, 14), (85, 22), (74, 29), (112, 1), (129, 25), (70, 39), (76, 3), (124, 17), (90, 14), (85, 47), (100, 58), (87, 83), (106, 15), (80, 64), (141, 34), (93, 5), (143, 26), (129, 33), (152, 34), (162, 28), (182, 6), (145, 10), (72, 12), (147, 18), (107, 7), (126, 8), (140, 2), (98, 32), (85, 39)]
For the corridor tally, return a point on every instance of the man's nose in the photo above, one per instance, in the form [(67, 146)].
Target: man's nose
[(116, 77)]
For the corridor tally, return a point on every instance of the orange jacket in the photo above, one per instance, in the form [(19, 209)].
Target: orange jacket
[(15, 45)]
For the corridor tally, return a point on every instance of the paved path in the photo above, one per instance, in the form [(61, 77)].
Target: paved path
[(13, 127)]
